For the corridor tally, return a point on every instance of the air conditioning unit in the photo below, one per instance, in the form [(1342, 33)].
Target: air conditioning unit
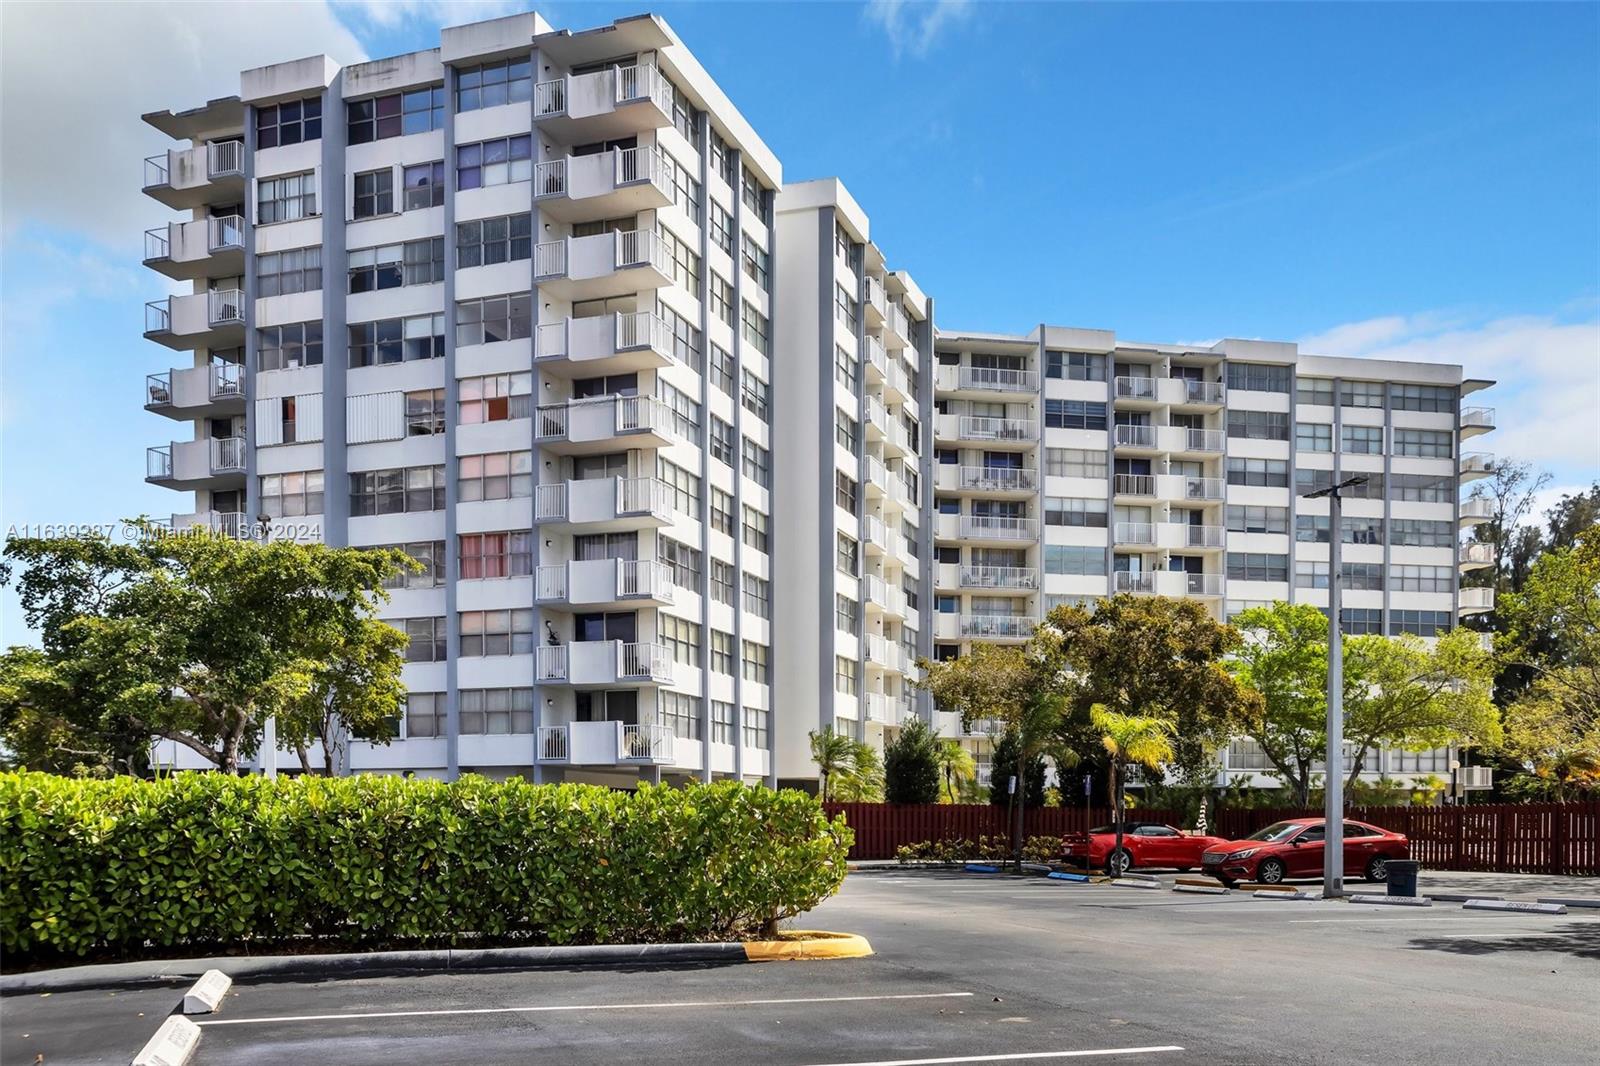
[(1476, 777)]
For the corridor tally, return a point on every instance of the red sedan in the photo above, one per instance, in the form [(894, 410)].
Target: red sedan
[(1294, 849), (1144, 844)]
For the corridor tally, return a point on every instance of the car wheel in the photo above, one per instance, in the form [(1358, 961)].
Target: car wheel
[(1119, 862), (1270, 872), (1378, 869)]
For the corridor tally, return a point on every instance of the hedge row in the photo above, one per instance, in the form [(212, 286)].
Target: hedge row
[(126, 868), (1034, 849)]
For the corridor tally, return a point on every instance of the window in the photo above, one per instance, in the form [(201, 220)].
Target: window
[(1361, 394), (1258, 425), (1075, 366), (291, 495), (754, 201), (720, 299), (1313, 437), (424, 412), (846, 554), (844, 368), (1360, 621), (685, 412), (844, 675), (425, 639), (755, 329), (1423, 488), (290, 122), (722, 370), (755, 394), (398, 491), (495, 555), (683, 486), (1075, 560), (424, 185), (846, 618), (286, 199), (496, 711), (509, 81), (1258, 566), (1359, 529), (1309, 575), (721, 441), (757, 462), (1422, 533), (425, 714), (1366, 440), (1074, 414), (722, 159), (722, 514), (721, 228), (1422, 398), (495, 398), (846, 431), (721, 652), (757, 596), (755, 662), (721, 722), (1258, 519), (755, 529), (682, 560), (1271, 473), (757, 263), (494, 240), (845, 494), (392, 339), (282, 273), (374, 194), (680, 712), (430, 555), (495, 476), (1362, 575), (722, 582), (1306, 480), (1419, 623), (1314, 390), (757, 728), (685, 119), (1427, 443), (686, 340), (1075, 462), (284, 347), (1258, 377), (390, 267), (413, 111), (497, 162), (686, 191), (496, 632), (1060, 511), (1312, 528), (681, 637), (494, 318)]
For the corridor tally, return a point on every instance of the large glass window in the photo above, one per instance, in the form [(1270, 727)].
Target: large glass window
[(293, 345), (495, 398), (1258, 566), (495, 555), (396, 114), (1427, 443), (374, 193), (1364, 440), (1074, 414), (393, 340), (509, 81), (494, 240), (398, 491), (424, 185), (1075, 366), (1270, 473), (1075, 462), (494, 318), (429, 554), (282, 273), (1258, 425), (495, 476), (1361, 394), (1254, 519), (291, 495), (1422, 398), (290, 122), (497, 162), (286, 199), (1258, 377), (496, 711)]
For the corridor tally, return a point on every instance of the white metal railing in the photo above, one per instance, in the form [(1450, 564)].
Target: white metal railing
[(998, 478), (1477, 417), (1203, 488), (640, 413), (225, 231), (643, 659), (227, 380), (1140, 582), (877, 416), (876, 358), (1476, 552), (1480, 598), (156, 172), (999, 577), (877, 707), (550, 581), (550, 421), (643, 164), (1136, 436), (227, 455), (550, 663), (553, 745), (643, 329), (1000, 379), (874, 530), (224, 305), (1134, 484), (550, 97), (1205, 440), (229, 523), (1203, 584), (1202, 536), (1134, 533), (642, 81), (224, 157), (996, 625), (644, 577), (158, 389), (895, 321), (998, 526), (874, 294), (641, 494), (877, 474), (158, 315), (979, 427), (646, 743), (550, 502), (1202, 391), (158, 462), (550, 259), (1476, 463), (158, 243), (1477, 507), (1135, 388), (550, 178), (640, 247)]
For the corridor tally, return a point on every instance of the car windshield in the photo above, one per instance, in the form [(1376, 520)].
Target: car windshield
[(1275, 832)]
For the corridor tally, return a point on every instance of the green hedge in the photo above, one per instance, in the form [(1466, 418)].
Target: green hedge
[(126, 868)]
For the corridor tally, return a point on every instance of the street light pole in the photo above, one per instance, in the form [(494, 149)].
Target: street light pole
[(1333, 777)]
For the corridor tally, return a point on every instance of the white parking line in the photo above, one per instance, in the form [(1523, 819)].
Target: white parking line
[(1495, 936), (1022, 1056), (1389, 921), (677, 1005)]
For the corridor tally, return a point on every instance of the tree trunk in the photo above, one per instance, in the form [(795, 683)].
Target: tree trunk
[(305, 757), (1356, 766), (1021, 798)]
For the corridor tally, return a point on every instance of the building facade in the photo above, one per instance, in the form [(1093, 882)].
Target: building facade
[(689, 469)]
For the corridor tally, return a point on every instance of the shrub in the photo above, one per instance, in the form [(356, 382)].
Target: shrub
[(911, 765), (128, 867), (984, 849)]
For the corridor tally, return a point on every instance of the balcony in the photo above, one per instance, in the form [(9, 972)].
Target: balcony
[(1022, 432), (225, 523), (1018, 578), (1134, 486), (995, 528), (897, 384), (1133, 534), (603, 424), (1181, 440), (887, 654), (1135, 438), (1184, 487), (896, 327), (605, 744), (622, 181), (204, 247), (884, 597), (1205, 585), (621, 343), (1475, 555), (983, 379), (603, 662), (1134, 391), (998, 481), (186, 178), (196, 464), (605, 104), (1476, 420), (1182, 535), (1475, 465), (874, 302), (1210, 394), (605, 583), (875, 361), (877, 476), (212, 319), (602, 265), (996, 626), (1476, 600), (601, 505), (1475, 510), (880, 708), (193, 392)]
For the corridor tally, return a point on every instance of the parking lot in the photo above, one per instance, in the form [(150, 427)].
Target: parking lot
[(968, 969)]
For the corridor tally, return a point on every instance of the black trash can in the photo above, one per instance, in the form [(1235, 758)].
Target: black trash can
[(1402, 877)]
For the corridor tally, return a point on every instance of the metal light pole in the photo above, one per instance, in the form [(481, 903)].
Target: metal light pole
[(269, 733), (1333, 777)]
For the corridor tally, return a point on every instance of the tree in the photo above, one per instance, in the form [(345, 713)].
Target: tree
[(863, 782), (911, 765), (1511, 489), (353, 695), (1570, 517), (199, 638), (834, 754), (1030, 789), (1129, 740), (957, 769), (53, 718), (1285, 658)]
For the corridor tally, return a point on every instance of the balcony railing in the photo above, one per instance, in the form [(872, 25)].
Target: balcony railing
[(226, 231), (227, 380), (550, 662), (158, 316), (224, 158), (642, 81), (643, 329), (1476, 553), (1478, 508), (998, 527), (1201, 536), (1205, 440), (155, 171), (641, 660), (227, 455), (550, 502), (1202, 391), (1144, 581), (998, 479), (1477, 418), (999, 577), (1134, 533), (1203, 488), (646, 743), (550, 178), (224, 306), (550, 422), (158, 243), (550, 259), (640, 247), (158, 389), (1135, 388), (644, 577), (1476, 463), (1134, 484), (1203, 584), (1136, 436), (550, 97), (158, 462), (637, 495), (974, 427), (998, 379), (552, 743), (996, 625)]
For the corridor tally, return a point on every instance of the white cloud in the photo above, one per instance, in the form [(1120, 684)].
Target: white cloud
[(1546, 368), (914, 26), (74, 79), (389, 14)]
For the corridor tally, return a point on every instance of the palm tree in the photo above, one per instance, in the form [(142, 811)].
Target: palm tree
[(956, 767), (1130, 740), (863, 781), (835, 756)]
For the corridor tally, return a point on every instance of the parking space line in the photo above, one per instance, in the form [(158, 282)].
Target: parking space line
[(1021, 1056), (1387, 921), (558, 1008), (1505, 935)]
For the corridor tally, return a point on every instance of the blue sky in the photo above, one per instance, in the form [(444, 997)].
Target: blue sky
[(1415, 181)]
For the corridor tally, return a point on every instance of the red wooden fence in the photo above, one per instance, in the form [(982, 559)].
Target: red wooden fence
[(1546, 838)]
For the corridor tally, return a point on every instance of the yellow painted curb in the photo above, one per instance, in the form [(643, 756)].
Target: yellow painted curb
[(808, 944)]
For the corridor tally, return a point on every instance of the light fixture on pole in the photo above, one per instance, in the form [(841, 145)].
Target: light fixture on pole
[(1333, 776)]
